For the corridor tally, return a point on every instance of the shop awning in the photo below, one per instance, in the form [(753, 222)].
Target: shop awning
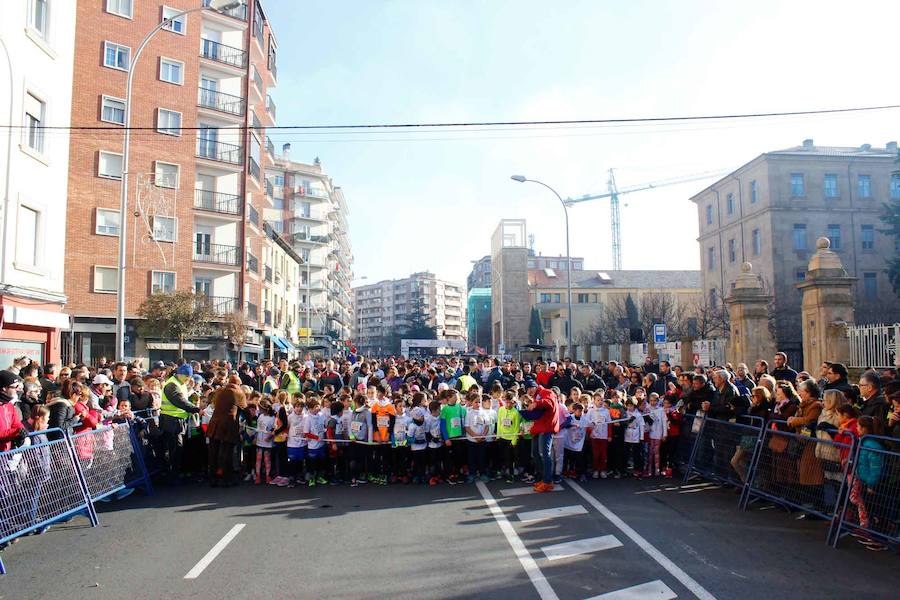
[(279, 342)]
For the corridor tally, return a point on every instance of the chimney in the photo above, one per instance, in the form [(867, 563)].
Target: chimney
[(286, 151), (808, 143), (891, 146)]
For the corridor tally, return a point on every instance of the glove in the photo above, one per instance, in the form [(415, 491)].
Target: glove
[(20, 438)]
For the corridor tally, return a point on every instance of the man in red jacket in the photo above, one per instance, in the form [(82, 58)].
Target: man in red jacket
[(544, 412), (11, 428)]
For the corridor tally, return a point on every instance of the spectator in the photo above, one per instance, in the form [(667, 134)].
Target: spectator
[(223, 432), (873, 402), (782, 372), (836, 378), (12, 431)]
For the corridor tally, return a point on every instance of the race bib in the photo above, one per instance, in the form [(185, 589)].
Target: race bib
[(436, 432), (338, 428), (454, 423), (506, 423), (399, 433), (576, 435), (356, 426), (296, 431), (383, 421), (479, 421), (527, 427)]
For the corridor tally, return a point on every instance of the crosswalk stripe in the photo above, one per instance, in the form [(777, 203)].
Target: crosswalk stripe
[(652, 590), (551, 513), (577, 547), (522, 491)]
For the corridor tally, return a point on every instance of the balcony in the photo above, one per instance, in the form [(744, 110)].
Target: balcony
[(252, 312), (313, 192), (226, 204), (238, 12), (221, 305), (227, 55), (270, 189), (268, 273), (270, 106), (270, 148), (253, 168), (252, 263), (253, 215), (217, 254), (218, 151), (222, 102), (257, 80), (267, 317)]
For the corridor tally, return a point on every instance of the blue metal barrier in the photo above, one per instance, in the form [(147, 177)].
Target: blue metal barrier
[(871, 508)]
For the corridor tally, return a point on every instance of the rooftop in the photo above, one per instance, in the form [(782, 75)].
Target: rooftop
[(553, 278), (808, 148)]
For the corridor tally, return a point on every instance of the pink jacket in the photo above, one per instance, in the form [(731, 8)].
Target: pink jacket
[(10, 424)]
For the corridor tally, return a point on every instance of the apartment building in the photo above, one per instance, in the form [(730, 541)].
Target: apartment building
[(310, 212), (770, 211), (37, 38), (200, 105), (383, 310)]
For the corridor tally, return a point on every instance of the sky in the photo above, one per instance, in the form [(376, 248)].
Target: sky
[(430, 200)]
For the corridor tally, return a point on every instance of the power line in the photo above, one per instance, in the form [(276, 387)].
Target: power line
[(468, 124)]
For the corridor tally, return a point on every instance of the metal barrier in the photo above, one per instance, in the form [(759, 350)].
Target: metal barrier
[(46, 482), (725, 450), (789, 469), (690, 427), (871, 509)]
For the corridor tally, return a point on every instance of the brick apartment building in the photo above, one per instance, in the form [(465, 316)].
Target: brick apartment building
[(201, 104)]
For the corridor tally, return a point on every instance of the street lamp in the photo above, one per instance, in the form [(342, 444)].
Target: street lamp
[(523, 179), (215, 5)]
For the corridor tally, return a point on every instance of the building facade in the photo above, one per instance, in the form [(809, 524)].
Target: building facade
[(200, 105), (770, 211), (311, 213), (383, 310), (37, 42), (480, 276)]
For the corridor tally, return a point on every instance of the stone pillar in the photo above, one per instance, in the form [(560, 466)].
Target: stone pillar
[(827, 309), (748, 309)]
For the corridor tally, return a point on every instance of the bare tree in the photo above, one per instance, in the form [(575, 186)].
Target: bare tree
[(235, 329), (708, 317)]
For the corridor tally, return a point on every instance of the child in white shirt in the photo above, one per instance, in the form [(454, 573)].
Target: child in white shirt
[(634, 437)]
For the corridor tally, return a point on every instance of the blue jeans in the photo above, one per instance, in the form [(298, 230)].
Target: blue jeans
[(540, 451)]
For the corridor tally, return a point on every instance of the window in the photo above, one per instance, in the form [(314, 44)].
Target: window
[(166, 175), (557, 298), (834, 234), (546, 323), (110, 165), (178, 25), (35, 110), (798, 185), (271, 61), (754, 192), (709, 214), (105, 280), (162, 282), (168, 121), (258, 21), (171, 71), (732, 251), (119, 7), (757, 243), (279, 180), (799, 275), (864, 186), (112, 110), (799, 236), (713, 298), (107, 222), (868, 237), (895, 186), (582, 299), (37, 17), (116, 56), (870, 285), (165, 229), (830, 185), (711, 258), (729, 203), (27, 236)]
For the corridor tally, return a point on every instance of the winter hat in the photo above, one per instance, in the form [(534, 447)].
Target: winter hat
[(185, 369), (8, 378), (101, 379)]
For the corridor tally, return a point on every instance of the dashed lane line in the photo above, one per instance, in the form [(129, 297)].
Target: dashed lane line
[(578, 547), (214, 552), (652, 590)]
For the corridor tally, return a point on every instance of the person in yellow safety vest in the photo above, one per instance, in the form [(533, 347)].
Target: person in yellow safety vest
[(174, 413), (465, 380), (270, 385), (290, 381)]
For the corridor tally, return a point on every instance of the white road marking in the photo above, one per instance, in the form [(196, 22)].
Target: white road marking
[(551, 513), (689, 582), (531, 569), (522, 491), (214, 552), (652, 590), (570, 549), (714, 487)]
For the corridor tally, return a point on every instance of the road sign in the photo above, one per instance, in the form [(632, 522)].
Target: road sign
[(659, 333), (501, 348)]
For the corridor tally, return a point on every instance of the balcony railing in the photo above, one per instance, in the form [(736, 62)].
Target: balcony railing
[(252, 263), (217, 254), (227, 55), (257, 79), (268, 273), (238, 12), (270, 189), (314, 192), (253, 215), (221, 305), (228, 204), (218, 151), (252, 312), (254, 168), (270, 148), (222, 102), (270, 106)]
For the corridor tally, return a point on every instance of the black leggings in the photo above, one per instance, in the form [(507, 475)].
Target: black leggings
[(279, 454)]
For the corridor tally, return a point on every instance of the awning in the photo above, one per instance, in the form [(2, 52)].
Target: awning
[(174, 346), (279, 341), (35, 317)]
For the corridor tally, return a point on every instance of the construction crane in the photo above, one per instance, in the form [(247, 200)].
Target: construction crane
[(613, 194)]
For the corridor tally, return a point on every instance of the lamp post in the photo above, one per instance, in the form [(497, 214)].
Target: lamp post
[(215, 5), (523, 179)]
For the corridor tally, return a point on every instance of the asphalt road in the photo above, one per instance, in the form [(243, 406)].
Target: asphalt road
[(648, 537)]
